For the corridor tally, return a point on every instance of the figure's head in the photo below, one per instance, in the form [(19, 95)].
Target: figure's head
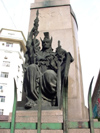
[(46, 43)]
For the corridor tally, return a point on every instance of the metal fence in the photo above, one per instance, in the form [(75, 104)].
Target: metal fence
[(65, 126)]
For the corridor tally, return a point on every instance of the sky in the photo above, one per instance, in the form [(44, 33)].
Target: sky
[(88, 18), (15, 14)]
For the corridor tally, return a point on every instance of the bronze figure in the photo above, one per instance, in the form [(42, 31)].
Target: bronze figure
[(44, 68)]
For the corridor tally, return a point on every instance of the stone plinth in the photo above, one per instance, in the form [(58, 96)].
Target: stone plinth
[(57, 17), (31, 116), (3, 118), (47, 116)]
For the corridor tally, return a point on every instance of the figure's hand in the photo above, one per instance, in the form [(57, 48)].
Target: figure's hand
[(53, 65)]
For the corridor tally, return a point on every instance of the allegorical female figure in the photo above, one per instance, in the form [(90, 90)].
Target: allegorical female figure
[(42, 69)]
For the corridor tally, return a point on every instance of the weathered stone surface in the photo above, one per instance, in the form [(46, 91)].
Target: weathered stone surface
[(48, 20), (31, 116), (4, 130), (3, 117)]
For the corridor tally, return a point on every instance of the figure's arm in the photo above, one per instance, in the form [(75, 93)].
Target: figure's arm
[(32, 44)]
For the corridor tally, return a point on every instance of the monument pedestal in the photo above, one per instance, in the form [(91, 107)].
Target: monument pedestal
[(57, 18), (50, 116)]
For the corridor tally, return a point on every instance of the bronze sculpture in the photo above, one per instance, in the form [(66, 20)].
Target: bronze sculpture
[(44, 68)]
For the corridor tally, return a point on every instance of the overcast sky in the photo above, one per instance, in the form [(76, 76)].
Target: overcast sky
[(15, 14), (88, 17)]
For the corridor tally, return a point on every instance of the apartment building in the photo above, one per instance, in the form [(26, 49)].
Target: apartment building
[(12, 49)]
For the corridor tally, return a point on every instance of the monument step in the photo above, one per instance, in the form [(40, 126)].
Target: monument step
[(34, 113), (49, 131), (48, 116), (31, 131)]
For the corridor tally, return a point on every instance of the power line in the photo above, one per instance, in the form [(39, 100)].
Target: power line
[(8, 13)]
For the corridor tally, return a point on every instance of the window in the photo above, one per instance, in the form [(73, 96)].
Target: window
[(4, 74), (6, 63), (9, 44), (2, 98), (1, 111), (1, 87), (5, 57), (3, 44)]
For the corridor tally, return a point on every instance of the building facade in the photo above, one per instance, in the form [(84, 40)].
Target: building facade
[(96, 99), (12, 49)]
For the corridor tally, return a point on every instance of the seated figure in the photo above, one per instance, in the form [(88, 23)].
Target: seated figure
[(44, 69)]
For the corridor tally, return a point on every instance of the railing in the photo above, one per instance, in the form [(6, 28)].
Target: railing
[(52, 126)]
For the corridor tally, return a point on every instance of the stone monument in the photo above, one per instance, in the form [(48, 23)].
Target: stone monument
[(57, 17)]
